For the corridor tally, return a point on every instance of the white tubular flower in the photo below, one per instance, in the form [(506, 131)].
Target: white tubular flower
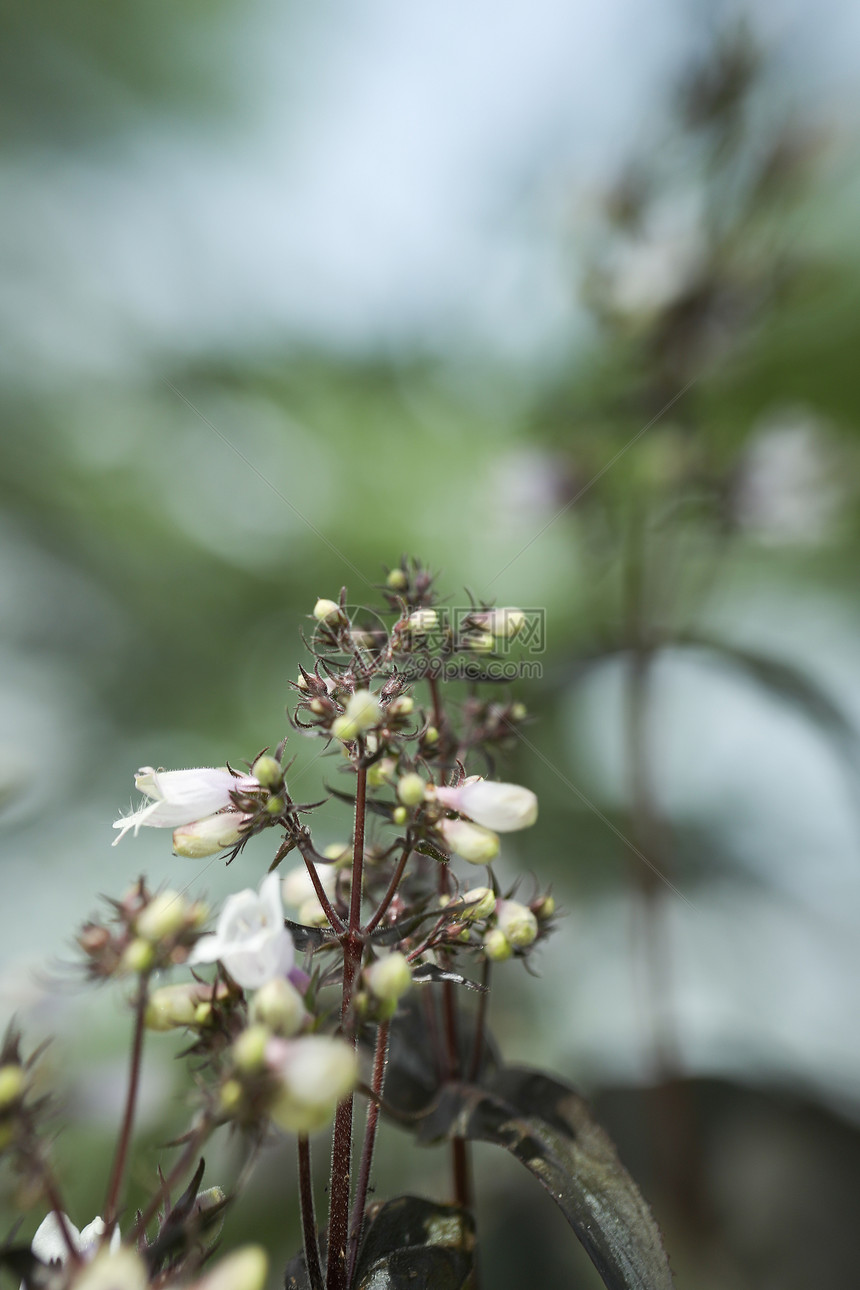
[(182, 796), (471, 841), (502, 807), (210, 835), (251, 939), (316, 1072), (49, 1245)]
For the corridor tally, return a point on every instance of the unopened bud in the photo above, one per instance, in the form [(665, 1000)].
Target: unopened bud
[(517, 922), (481, 642), (380, 772), (298, 886), (208, 836), (13, 1082), (244, 1269), (275, 805), (172, 1006), (481, 902), (544, 908), (400, 815), (249, 1049), (473, 843), (340, 853), (267, 771), (202, 1013), (138, 956), (496, 946), (209, 1199), (519, 712), (402, 706), (328, 611), (162, 918), (279, 1006), (411, 789), (431, 735), (312, 914), (389, 977), (230, 1096), (505, 622), (363, 710), (397, 580), (422, 621)]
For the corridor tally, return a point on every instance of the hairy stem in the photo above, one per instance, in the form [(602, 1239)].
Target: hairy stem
[(341, 1156), (377, 1080), (124, 1142), (309, 1223)]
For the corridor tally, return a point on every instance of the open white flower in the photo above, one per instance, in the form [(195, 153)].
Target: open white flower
[(501, 807), (251, 939), (49, 1244), (182, 796)]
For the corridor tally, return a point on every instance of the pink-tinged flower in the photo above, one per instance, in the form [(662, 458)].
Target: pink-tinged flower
[(471, 842), (251, 939), (501, 807), (49, 1244), (182, 796)]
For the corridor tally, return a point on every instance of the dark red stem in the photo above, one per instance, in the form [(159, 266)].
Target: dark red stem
[(309, 1222), (360, 1203), (124, 1142)]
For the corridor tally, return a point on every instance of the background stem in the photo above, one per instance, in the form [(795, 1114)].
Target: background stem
[(122, 1147)]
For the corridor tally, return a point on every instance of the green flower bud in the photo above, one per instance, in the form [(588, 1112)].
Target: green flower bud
[(249, 1049), (328, 611), (481, 642), (519, 712), (275, 805), (172, 1006), (397, 580), (267, 771), (138, 956), (422, 621), (244, 1269), (380, 772), (404, 706), (340, 853), (13, 1082), (230, 1096), (163, 917), (400, 815), (389, 977), (279, 1006), (517, 922), (431, 735), (544, 908), (411, 789), (496, 946), (202, 1013), (481, 902)]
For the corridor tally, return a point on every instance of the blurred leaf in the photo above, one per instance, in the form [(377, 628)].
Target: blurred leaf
[(413, 1080), (550, 1129)]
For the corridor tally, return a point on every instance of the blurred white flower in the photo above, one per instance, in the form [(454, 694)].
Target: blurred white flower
[(49, 1245), (501, 807), (182, 796), (316, 1072), (251, 939), (789, 485)]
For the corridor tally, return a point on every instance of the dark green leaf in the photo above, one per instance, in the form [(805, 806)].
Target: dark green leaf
[(428, 972), (428, 849), (413, 1079), (414, 1244), (549, 1128)]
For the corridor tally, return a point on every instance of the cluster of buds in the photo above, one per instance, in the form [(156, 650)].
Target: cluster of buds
[(148, 931)]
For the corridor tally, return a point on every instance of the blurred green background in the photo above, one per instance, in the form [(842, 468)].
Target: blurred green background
[(565, 303)]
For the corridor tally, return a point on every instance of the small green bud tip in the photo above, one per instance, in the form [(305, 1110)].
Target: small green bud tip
[(340, 853), (431, 735), (170, 1007), (327, 611), (279, 1006), (482, 643), (411, 789), (163, 917), (545, 908), (402, 707), (13, 1081), (231, 1096), (275, 805), (267, 771), (481, 902), (519, 712), (400, 815), (344, 729), (397, 580), (138, 956), (202, 1013), (389, 977), (209, 1199), (249, 1049), (496, 946)]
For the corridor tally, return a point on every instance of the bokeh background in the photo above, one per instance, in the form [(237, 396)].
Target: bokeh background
[(564, 300)]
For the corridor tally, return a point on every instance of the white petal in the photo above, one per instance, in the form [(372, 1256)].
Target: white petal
[(501, 807), (48, 1243), (253, 968), (207, 949), (91, 1235), (270, 897)]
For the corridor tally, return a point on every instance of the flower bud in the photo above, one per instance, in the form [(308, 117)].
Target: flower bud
[(328, 611), (503, 623), (230, 1096), (316, 1072), (519, 712), (380, 772), (244, 1269), (503, 807), (471, 841), (422, 621), (209, 1199), (249, 1049), (275, 805), (173, 1006), (517, 922), (138, 956), (311, 913), (431, 735), (208, 836), (13, 1082), (279, 1006), (340, 853), (389, 977), (119, 1269), (297, 886), (399, 815), (544, 908), (162, 918), (411, 789), (363, 711), (267, 771), (496, 946), (397, 580), (481, 642), (402, 706), (481, 902)]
